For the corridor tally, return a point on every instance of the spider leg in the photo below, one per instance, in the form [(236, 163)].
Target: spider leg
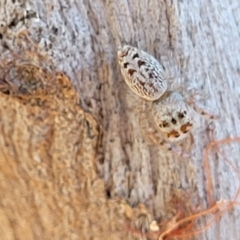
[(169, 146), (201, 109)]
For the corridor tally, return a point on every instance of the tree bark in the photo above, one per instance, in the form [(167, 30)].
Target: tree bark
[(78, 171)]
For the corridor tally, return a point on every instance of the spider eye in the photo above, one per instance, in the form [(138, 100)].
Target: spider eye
[(180, 115), (163, 124), (174, 121)]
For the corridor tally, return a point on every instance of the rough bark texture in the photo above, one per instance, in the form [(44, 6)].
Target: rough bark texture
[(67, 171)]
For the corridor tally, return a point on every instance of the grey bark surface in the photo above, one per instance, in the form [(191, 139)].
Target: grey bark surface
[(197, 42)]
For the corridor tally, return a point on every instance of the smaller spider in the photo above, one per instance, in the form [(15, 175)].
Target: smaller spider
[(146, 77)]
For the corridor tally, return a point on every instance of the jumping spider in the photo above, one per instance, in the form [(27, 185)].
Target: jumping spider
[(146, 77)]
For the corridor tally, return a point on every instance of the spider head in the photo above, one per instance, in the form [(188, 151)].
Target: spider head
[(172, 116)]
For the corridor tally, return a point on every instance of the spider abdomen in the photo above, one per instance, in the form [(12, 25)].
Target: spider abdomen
[(142, 72)]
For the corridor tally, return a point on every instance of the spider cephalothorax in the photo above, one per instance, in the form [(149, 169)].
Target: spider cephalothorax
[(172, 116)]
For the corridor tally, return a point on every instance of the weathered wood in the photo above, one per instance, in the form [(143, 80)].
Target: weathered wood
[(198, 44)]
